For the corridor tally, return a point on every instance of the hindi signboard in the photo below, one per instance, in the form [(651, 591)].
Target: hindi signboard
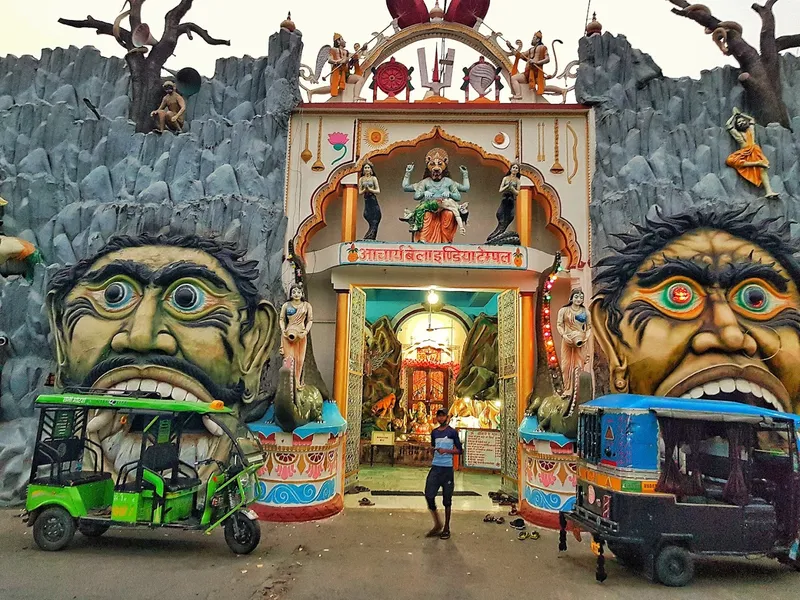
[(383, 438), (483, 449), (433, 255)]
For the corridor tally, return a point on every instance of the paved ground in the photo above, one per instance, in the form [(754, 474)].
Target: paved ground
[(360, 555)]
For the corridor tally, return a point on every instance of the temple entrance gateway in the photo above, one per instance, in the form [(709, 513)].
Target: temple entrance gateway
[(412, 352)]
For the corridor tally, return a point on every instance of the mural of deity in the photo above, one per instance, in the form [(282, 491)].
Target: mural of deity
[(437, 215), (177, 315), (295, 323), (703, 304), (574, 326)]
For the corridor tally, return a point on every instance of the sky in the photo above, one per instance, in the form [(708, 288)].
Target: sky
[(678, 45)]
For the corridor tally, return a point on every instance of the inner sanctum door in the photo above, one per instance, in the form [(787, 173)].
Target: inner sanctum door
[(431, 386)]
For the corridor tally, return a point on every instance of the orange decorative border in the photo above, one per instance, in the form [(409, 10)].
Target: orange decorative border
[(544, 191)]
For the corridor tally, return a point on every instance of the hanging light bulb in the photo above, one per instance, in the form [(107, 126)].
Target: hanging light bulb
[(433, 297)]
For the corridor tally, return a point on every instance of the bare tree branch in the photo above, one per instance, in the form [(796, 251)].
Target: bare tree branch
[(785, 42), (175, 16), (189, 28), (136, 13), (769, 47), (102, 28)]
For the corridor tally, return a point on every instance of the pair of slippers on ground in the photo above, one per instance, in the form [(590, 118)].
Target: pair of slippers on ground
[(366, 502), (502, 499), (518, 524), (359, 489)]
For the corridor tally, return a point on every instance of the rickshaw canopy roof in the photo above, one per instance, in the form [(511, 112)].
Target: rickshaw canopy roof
[(111, 402), (683, 408)]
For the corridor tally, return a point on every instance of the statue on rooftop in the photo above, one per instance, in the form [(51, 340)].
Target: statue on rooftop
[(345, 67), (536, 57)]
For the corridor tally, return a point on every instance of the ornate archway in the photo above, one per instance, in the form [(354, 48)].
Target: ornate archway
[(388, 46), (545, 194)]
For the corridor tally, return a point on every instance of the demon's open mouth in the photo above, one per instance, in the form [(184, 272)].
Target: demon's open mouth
[(746, 384), (121, 438)]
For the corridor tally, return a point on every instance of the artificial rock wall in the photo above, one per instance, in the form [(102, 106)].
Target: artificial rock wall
[(662, 141), (73, 181)]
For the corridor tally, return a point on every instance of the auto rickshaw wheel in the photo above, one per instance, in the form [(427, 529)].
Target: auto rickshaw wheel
[(90, 529), (54, 529), (241, 533), (674, 566)]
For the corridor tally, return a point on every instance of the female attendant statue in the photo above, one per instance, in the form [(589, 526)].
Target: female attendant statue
[(509, 190), (296, 320), (574, 326), (370, 188)]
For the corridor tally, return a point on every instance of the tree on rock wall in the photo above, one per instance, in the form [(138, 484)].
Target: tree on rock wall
[(146, 67), (761, 72)]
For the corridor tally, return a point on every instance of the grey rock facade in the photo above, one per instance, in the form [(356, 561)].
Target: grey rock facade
[(662, 141), (73, 181)]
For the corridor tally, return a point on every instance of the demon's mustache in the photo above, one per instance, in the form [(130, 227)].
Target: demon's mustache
[(228, 394)]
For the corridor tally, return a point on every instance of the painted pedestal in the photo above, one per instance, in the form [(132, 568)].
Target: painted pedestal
[(302, 478), (547, 481)]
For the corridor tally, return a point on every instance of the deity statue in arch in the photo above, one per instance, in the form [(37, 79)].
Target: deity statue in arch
[(438, 214)]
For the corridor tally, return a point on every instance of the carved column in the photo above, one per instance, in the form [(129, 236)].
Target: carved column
[(527, 351), (340, 364), (349, 216), (523, 213)]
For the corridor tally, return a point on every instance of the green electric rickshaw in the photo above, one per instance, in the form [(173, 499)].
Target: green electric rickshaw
[(69, 490)]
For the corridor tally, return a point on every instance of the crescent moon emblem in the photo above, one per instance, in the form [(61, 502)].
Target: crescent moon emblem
[(501, 141)]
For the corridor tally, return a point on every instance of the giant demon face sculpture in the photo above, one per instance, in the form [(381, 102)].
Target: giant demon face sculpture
[(180, 316), (703, 304)]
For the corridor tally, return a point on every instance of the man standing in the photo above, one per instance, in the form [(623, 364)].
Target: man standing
[(446, 444)]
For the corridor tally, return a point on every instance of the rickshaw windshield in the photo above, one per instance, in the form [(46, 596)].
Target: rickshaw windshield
[(729, 462)]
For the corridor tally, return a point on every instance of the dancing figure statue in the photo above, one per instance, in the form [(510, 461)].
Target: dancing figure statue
[(749, 160)]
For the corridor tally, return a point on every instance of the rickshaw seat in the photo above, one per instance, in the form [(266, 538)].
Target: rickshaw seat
[(72, 478), (161, 459)]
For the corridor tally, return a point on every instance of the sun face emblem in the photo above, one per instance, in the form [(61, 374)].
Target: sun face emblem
[(376, 137)]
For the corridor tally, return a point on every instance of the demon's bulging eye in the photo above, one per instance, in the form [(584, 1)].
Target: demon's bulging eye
[(116, 295), (187, 298), (757, 299), (677, 297), (190, 298)]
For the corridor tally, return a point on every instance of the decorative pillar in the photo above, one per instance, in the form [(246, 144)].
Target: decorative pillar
[(340, 364), (524, 211), (527, 354), (349, 208)]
